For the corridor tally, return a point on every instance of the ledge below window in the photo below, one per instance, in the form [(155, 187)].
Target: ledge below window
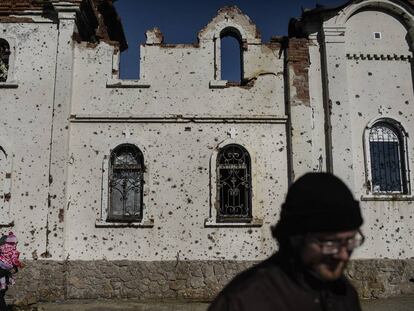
[(218, 84), (118, 83), (6, 222), (9, 85), (147, 223), (387, 197), (212, 223)]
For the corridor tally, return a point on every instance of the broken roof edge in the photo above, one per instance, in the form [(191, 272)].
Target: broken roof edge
[(319, 13), (322, 13), (110, 25), (96, 19)]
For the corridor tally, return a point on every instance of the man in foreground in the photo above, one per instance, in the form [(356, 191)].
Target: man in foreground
[(317, 232)]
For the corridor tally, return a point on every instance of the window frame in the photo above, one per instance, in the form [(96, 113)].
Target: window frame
[(247, 192), (256, 203), (147, 220), (10, 81), (140, 173), (232, 32), (4, 41), (403, 137), (240, 35)]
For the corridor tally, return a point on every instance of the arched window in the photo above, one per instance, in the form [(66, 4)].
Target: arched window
[(234, 184), (4, 59), (126, 184), (231, 55), (388, 158)]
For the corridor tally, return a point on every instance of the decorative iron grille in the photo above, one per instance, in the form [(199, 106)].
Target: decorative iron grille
[(387, 159), (234, 184), (4, 59), (126, 184)]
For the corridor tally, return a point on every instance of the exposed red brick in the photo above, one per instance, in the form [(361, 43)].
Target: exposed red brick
[(11, 6), (13, 19), (298, 60)]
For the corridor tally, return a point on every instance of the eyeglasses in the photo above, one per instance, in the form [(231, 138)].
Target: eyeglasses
[(333, 247)]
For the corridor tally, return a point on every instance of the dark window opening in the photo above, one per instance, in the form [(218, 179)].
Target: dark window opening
[(4, 60), (126, 184), (234, 184), (231, 56), (387, 154), (377, 35)]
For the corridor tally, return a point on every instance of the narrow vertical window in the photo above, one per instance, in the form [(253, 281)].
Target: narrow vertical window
[(234, 184), (387, 156), (126, 184), (4, 59), (231, 55)]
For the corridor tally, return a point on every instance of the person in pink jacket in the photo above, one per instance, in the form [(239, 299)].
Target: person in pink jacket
[(9, 263)]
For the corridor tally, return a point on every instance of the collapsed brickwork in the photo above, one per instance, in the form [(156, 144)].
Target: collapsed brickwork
[(306, 102)]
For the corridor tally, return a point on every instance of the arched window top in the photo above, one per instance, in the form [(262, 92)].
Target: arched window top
[(231, 32), (234, 184), (126, 155), (126, 184), (388, 158), (4, 59), (233, 154), (384, 131)]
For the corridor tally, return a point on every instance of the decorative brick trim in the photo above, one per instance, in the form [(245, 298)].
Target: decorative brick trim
[(379, 57)]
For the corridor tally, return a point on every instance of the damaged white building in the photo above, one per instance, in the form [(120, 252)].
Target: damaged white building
[(166, 186)]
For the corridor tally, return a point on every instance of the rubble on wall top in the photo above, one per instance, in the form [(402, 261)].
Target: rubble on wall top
[(230, 17)]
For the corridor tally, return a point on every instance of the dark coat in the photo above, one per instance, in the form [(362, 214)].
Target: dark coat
[(278, 284)]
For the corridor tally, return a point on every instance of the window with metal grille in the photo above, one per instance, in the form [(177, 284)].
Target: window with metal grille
[(4, 59), (126, 184), (387, 155), (234, 184)]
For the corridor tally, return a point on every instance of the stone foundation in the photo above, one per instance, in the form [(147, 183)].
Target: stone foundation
[(182, 280)]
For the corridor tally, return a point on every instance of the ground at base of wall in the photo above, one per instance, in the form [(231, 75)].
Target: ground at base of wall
[(404, 303), (50, 281)]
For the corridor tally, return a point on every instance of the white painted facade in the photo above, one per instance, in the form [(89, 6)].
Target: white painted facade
[(362, 79), (65, 109)]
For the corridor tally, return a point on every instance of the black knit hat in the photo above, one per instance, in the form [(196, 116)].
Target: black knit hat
[(318, 202)]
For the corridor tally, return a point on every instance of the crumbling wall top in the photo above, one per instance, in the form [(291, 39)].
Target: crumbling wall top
[(230, 17), (154, 36)]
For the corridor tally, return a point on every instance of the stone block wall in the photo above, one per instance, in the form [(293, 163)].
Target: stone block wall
[(382, 278), (178, 280)]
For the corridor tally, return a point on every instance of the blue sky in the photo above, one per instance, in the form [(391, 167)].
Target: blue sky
[(180, 21)]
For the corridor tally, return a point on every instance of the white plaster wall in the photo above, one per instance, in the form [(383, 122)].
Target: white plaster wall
[(178, 163), (179, 79), (380, 88), (178, 152), (375, 89), (25, 125), (360, 33)]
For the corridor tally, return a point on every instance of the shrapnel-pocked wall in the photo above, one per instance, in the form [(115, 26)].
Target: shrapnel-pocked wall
[(306, 102)]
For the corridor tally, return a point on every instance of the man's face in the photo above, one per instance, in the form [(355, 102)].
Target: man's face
[(328, 267)]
